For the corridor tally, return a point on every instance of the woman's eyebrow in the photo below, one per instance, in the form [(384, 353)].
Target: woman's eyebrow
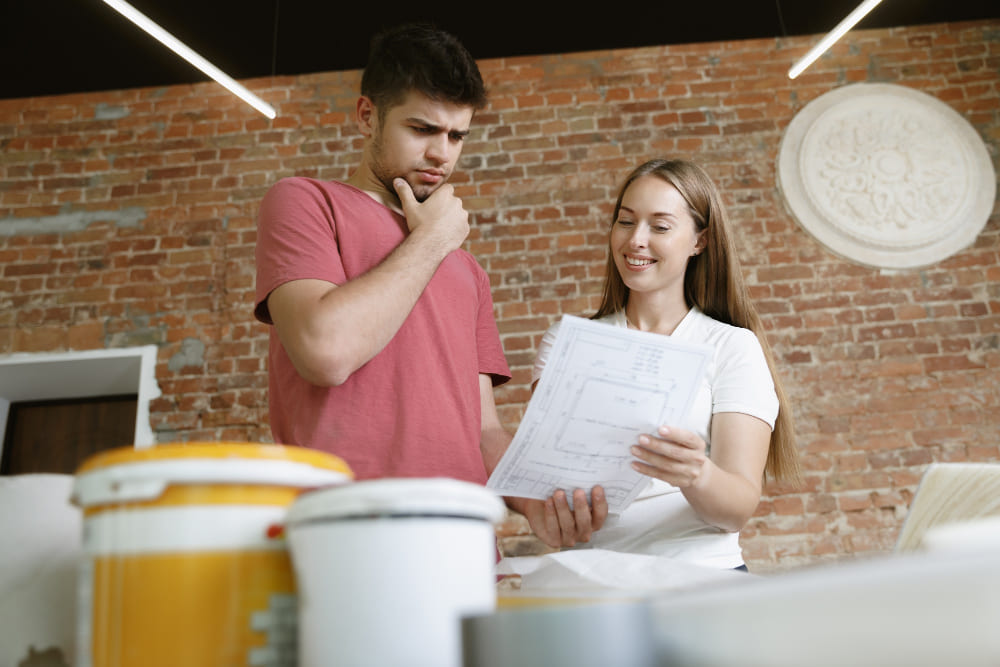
[(655, 214)]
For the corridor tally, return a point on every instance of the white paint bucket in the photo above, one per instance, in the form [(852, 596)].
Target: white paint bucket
[(39, 558), (185, 557), (387, 569)]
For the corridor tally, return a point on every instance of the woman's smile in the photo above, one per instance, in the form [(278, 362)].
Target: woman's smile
[(636, 263)]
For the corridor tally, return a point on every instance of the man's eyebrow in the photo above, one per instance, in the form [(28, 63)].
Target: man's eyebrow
[(433, 126)]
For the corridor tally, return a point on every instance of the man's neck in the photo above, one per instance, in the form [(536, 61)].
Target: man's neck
[(363, 180)]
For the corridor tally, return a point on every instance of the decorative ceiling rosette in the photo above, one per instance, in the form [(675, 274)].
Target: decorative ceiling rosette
[(886, 176)]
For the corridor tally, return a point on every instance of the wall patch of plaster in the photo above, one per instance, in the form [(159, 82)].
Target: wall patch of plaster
[(192, 353), (71, 221)]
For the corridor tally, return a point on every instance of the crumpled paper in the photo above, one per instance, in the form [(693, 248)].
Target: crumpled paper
[(604, 570)]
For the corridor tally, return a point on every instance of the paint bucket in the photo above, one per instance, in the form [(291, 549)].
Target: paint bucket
[(185, 559), (387, 569), (39, 559), (583, 633)]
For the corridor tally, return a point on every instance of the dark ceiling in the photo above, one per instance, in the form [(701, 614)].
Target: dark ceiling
[(52, 47)]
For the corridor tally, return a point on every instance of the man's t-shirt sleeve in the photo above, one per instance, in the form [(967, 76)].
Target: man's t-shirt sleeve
[(296, 239)]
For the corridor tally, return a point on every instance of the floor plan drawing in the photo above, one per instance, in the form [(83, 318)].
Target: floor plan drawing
[(602, 386)]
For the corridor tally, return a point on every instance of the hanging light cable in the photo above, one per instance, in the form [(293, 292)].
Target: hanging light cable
[(815, 52), (181, 49)]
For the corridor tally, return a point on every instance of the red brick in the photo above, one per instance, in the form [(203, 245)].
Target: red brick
[(888, 370)]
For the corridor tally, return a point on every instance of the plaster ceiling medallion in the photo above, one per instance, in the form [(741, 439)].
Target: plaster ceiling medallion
[(886, 176)]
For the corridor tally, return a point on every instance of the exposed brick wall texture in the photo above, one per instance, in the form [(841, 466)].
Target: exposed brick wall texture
[(128, 218)]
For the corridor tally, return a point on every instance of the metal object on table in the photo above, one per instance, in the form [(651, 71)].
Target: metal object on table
[(581, 634)]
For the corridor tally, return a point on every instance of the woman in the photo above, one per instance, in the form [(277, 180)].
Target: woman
[(673, 270)]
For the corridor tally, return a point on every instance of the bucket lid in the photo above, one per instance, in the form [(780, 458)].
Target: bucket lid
[(131, 474), (435, 496)]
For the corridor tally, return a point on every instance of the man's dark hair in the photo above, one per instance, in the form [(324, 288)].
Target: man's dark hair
[(422, 57)]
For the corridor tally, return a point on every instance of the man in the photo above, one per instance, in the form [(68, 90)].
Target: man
[(384, 349)]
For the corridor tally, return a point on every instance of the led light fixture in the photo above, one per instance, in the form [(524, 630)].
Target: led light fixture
[(815, 52), (181, 49)]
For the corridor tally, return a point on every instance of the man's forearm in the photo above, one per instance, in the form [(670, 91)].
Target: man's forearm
[(331, 332)]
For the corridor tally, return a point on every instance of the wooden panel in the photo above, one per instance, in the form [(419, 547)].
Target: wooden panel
[(56, 436)]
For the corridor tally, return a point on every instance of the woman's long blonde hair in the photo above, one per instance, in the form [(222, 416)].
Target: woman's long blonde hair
[(714, 283)]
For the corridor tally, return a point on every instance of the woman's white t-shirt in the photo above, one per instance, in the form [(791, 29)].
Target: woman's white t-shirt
[(660, 521)]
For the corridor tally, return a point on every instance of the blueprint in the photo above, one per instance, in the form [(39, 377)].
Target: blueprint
[(602, 386)]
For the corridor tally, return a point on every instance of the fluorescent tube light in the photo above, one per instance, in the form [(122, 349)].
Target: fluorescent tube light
[(815, 52), (181, 49)]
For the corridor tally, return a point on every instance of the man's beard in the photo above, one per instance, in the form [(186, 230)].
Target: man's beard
[(420, 194), (386, 177)]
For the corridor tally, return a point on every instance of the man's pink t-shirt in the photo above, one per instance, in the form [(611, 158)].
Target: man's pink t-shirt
[(413, 410)]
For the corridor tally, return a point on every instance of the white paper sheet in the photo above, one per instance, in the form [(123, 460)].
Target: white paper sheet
[(592, 571), (601, 388)]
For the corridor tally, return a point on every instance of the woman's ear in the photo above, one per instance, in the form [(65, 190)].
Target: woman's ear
[(700, 243)]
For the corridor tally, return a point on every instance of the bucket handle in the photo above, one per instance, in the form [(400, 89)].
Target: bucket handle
[(119, 490)]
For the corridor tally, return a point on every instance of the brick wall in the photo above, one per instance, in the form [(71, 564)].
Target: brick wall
[(127, 218)]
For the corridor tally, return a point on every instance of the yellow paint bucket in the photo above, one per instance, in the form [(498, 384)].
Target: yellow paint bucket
[(185, 558)]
